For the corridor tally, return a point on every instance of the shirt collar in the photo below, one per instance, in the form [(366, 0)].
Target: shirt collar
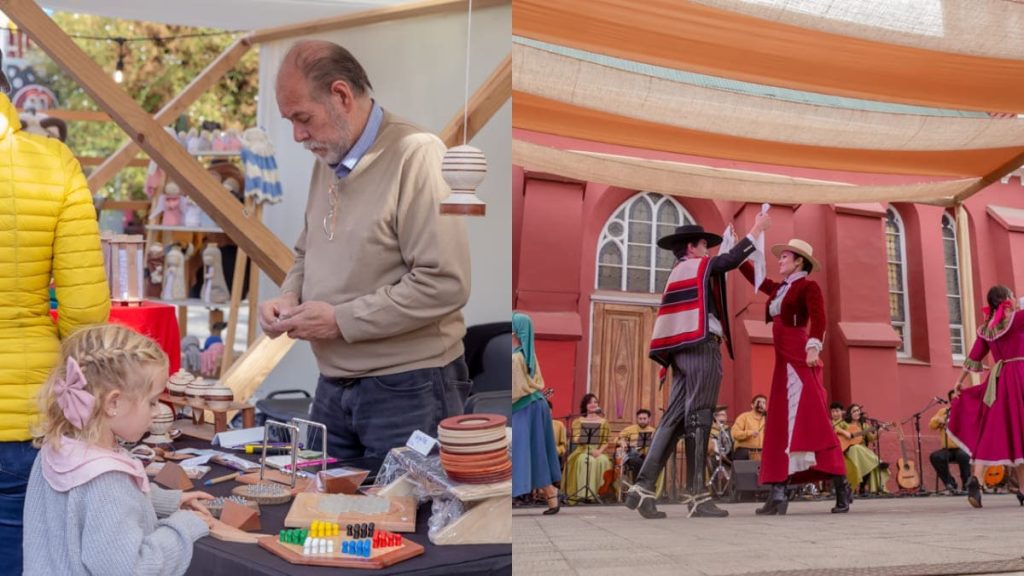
[(795, 276), (366, 139)]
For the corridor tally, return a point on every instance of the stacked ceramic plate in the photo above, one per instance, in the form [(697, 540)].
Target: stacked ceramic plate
[(474, 448)]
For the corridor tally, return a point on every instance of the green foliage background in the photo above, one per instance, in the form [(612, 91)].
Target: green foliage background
[(154, 72)]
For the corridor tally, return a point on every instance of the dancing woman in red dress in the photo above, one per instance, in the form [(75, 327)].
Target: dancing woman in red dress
[(987, 421), (799, 443)]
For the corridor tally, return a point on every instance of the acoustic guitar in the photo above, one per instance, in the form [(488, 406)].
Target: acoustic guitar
[(994, 475), (857, 434), (906, 472), (608, 488)]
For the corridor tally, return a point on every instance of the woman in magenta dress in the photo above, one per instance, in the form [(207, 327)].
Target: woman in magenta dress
[(799, 443), (987, 421)]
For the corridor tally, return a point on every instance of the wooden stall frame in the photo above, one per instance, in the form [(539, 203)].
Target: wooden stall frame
[(257, 242)]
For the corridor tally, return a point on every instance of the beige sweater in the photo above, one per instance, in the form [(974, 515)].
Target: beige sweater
[(397, 271)]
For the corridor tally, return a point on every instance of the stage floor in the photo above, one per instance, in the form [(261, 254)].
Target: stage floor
[(891, 536)]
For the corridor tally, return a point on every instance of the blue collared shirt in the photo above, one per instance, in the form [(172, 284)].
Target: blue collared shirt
[(355, 154)]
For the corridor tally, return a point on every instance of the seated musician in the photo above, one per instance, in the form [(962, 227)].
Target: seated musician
[(748, 430), (718, 445), (862, 465), (636, 438), (561, 439), (587, 463), (949, 452)]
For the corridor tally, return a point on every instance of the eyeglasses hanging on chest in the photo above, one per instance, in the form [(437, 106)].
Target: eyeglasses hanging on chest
[(331, 218)]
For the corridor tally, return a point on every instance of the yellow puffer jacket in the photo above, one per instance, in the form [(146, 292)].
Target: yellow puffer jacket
[(47, 229)]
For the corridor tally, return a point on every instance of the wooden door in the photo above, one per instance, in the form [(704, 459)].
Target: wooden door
[(622, 376)]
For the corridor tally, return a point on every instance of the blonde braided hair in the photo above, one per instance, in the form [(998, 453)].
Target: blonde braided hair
[(112, 358)]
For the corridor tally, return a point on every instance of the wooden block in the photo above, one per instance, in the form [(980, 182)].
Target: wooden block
[(378, 558), (173, 476), (242, 517), (222, 531), (400, 517), (485, 522)]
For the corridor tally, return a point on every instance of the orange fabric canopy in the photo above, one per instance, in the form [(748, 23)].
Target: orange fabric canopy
[(686, 36), (552, 117)]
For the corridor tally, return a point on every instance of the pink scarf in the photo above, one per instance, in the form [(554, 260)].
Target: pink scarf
[(76, 463)]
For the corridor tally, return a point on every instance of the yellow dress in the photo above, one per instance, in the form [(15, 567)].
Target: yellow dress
[(861, 462), (576, 466)]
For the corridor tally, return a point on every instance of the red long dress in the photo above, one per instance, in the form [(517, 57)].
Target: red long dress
[(799, 442)]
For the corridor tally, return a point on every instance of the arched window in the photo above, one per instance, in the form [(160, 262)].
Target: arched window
[(628, 257), (949, 251), (896, 256)]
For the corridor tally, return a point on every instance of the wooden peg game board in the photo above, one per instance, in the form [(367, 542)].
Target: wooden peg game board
[(309, 506), (379, 557)]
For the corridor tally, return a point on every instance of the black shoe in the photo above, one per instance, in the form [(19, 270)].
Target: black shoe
[(643, 504), (844, 495), (552, 510), (974, 492), (1020, 498), (776, 504), (770, 508), (649, 511), (707, 510)]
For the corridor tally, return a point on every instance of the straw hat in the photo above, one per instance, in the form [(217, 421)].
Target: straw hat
[(800, 248)]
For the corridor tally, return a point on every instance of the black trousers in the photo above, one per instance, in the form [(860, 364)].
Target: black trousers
[(696, 377), (940, 462)]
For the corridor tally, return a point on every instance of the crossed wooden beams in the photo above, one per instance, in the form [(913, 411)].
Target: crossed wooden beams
[(147, 133)]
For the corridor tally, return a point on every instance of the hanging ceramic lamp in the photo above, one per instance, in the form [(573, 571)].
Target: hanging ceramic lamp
[(464, 168)]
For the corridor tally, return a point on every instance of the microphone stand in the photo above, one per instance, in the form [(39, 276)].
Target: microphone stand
[(916, 417)]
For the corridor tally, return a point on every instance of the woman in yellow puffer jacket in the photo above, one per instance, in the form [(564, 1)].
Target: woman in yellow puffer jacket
[(48, 229)]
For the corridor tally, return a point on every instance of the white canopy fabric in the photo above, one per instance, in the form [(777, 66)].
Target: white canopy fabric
[(223, 14), (695, 181), (643, 96)]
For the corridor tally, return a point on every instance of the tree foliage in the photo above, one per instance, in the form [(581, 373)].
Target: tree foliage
[(155, 70)]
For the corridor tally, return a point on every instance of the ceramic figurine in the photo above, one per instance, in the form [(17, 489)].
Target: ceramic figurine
[(172, 200), (174, 274), (215, 288), (154, 270)]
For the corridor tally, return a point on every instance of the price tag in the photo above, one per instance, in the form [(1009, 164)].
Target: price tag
[(421, 443)]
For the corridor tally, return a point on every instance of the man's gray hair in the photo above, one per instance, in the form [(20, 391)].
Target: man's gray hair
[(323, 63)]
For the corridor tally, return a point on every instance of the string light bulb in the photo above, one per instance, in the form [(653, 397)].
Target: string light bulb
[(119, 69)]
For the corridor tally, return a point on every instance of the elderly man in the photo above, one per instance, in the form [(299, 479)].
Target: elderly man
[(380, 277)]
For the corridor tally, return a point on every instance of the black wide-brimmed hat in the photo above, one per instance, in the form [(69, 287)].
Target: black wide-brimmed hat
[(686, 234)]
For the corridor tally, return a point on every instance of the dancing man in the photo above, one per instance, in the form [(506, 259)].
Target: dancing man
[(691, 324)]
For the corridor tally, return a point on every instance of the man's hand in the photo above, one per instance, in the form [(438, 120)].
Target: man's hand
[(273, 310), (310, 321), (762, 222)]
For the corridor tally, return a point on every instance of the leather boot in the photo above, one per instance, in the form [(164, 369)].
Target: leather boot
[(844, 495), (642, 500), (696, 474), (776, 504)]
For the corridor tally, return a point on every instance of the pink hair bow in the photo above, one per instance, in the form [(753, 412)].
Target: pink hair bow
[(999, 313), (73, 399)]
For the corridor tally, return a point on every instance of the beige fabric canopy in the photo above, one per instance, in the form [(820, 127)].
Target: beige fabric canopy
[(697, 181)]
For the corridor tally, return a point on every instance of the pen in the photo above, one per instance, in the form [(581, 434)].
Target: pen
[(270, 449), (213, 481)]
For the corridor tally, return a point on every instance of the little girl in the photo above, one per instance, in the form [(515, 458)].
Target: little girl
[(90, 509)]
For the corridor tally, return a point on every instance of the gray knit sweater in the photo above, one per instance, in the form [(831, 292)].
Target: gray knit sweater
[(106, 527)]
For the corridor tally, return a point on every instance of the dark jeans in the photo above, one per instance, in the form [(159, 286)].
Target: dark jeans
[(940, 462), (370, 416), (16, 460)]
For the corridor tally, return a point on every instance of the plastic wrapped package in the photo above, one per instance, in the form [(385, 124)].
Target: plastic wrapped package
[(460, 513)]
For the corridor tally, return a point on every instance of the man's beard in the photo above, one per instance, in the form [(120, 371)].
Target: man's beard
[(333, 152)]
